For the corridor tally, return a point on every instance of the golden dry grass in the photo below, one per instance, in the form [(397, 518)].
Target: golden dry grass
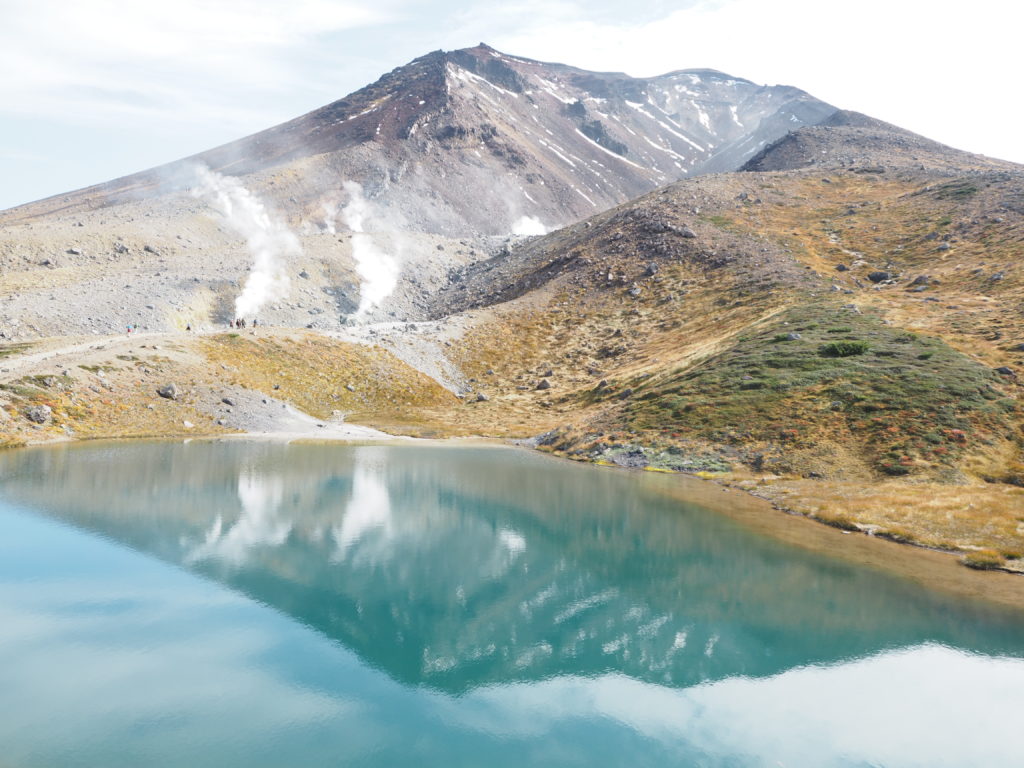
[(951, 517), (129, 409), (322, 375), (903, 222)]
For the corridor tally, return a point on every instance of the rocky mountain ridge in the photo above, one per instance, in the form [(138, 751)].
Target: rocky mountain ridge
[(470, 141)]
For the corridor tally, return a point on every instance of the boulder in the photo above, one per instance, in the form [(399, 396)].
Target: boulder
[(543, 384), (39, 414), (879, 276), (169, 391)]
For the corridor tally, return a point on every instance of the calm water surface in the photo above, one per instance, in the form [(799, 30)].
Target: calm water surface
[(247, 604)]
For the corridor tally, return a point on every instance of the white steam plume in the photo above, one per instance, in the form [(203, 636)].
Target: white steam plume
[(330, 209), (528, 225), (269, 241), (377, 270)]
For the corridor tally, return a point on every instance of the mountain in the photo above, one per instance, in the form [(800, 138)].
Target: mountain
[(470, 141), (450, 149)]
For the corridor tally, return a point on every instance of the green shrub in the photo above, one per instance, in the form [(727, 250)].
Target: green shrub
[(843, 348)]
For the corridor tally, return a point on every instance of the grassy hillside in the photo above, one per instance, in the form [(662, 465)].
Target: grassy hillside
[(820, 381), (816, 333)]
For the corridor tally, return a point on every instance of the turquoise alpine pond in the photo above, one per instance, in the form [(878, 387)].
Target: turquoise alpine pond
[(241, 603)]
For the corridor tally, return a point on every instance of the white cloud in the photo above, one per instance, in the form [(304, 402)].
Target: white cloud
[(89, 681), (924, 705), (186, 61)]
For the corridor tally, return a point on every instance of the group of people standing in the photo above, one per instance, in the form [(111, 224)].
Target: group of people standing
[(237, 323)]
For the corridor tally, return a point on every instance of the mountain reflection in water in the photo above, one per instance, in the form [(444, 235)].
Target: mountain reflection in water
[(387, 605), (457, 568)]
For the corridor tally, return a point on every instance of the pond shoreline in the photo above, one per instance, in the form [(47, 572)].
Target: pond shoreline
[(930, 567)]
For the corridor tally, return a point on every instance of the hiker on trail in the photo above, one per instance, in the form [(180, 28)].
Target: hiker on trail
[(188, 327), (129, 329), (254, 322)]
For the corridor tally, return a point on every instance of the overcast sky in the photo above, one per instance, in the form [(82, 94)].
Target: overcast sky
[(95, 89)]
